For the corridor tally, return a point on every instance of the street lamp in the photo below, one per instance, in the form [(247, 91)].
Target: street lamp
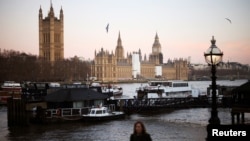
[(213, 57)]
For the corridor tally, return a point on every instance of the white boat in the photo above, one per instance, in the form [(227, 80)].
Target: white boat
[(11, 86), (111, 90), (175, 88), (9, 89), (102, 113)]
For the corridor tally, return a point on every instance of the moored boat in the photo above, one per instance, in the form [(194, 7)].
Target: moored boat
[(11, 86), (110, 90), (102, 113), (175, 88), (114, 90), (9, 89)]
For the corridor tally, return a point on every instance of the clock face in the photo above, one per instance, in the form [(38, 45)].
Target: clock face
[(154, 49)]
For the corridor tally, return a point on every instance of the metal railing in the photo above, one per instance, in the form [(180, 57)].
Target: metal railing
[(66, 112), (70, 112)]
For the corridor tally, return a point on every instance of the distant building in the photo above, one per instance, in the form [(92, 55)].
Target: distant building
[(233, 66), (51, 36), (199, 66), (156, 56), (222, 66), (105, 66), (136, 65), (108, 66)]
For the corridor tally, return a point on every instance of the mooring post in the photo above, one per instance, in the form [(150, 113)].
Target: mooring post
[(10, 111), (232, 116), (242, 118), (238, 117), (16, 112)]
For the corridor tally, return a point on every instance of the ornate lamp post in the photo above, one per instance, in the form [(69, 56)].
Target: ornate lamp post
[(213, 57)]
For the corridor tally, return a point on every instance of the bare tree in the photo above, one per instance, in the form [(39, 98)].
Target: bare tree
[(16, 66)]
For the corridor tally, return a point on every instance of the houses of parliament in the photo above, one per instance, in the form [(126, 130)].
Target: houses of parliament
[(109, 66), (51, 36)]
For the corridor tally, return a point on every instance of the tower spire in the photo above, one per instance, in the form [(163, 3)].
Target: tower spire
[(119, 52), (51, 12), (61, 13), (40, 13), (156, 36), (156, 45), (119, 41), (119, 36), (40, 9), (156, 39)]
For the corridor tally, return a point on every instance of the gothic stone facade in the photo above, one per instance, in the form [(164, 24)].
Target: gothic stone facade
[(110, 67), (51, 36)]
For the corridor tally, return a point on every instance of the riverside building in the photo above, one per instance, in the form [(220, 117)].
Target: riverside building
[(51, 36), (110, 66), (113, 67)]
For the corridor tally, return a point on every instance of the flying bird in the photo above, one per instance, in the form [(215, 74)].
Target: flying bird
[(228, 20), (107, 28)]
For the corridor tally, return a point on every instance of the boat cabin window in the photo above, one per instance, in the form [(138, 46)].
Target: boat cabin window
[(180, 85), (94, 89), (99, 112), (92, 112), (41, 85), (155, 83)]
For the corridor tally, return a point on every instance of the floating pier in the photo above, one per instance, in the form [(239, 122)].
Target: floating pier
[(21, 111)]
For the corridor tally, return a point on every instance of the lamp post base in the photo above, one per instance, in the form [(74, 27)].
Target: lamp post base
[(214, 119)]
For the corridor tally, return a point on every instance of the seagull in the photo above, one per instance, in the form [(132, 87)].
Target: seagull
[(228, 20), (107, 28)]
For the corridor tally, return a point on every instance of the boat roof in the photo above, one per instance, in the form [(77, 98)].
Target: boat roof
[(99, 108), (95, 84), (74, 94), (11, 83), (174, 81)]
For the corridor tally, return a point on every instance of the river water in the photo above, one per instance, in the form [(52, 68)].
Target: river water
[(178, 125)]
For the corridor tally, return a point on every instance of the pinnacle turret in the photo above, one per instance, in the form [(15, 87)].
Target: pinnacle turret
[(119, 41), (51, 12), (40, 13), (61, 13), (119, 52)]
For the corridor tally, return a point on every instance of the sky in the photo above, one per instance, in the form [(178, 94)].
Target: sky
[(184, 27)]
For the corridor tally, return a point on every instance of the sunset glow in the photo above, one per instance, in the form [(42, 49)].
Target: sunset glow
[(185, 28)]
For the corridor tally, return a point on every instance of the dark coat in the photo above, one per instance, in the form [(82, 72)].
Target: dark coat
[(142, 137)]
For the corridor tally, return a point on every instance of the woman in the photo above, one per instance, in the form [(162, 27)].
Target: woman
[(140, 133)]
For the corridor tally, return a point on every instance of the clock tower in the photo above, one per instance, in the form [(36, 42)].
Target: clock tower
[(156, 49), (156, 56)]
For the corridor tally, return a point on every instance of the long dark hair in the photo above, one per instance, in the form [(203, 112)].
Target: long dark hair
[(142, 125)]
